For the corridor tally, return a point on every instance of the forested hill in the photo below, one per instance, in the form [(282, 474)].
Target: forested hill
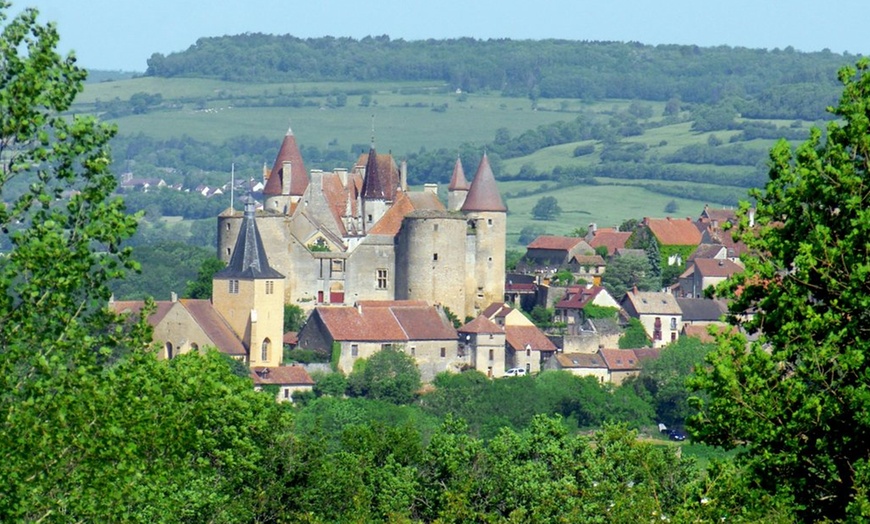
[(774, 84)]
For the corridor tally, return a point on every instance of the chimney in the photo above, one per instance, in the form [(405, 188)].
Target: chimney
[(403, 175), (431, 188), (286, 176), (634, 289), (173, 297)]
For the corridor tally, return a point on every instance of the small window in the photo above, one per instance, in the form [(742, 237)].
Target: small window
[(443, 352), (264, 350), (382, 279), (435, 256), (354, 350), (286, 393), (270, 287), (489, 221), (435, 227), (492, 354), (228, 252), (673, 323), (413, 351), (370, 219), (528, 352), (228, 226), (233, 286)]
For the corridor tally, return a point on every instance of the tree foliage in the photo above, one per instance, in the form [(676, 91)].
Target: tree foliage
[(390, 375), (546, 208), (625, 272), (796, 401)]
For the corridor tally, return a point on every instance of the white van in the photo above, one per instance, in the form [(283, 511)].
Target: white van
[(515, 372)]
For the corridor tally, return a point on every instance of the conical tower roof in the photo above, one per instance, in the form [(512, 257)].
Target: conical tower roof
[(483, 194), (458, 181), (289, 152), (249, 259), (373, 187)]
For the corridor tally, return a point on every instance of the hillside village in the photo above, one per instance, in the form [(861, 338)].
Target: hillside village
[(375, 264)]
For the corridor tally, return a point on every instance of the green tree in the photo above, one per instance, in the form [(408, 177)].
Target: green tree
[(294, 317), (796, 400), (547, 208), (627, 271), (389, 375), (202, 286), (634, 336), (529, 233)]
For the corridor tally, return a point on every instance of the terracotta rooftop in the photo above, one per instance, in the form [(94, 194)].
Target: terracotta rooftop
[(496, 309), (386, 182), (674, 231), (620, 359), (405, 204), (458, 181), (289, 152), (651, 302), (702, 332), (580, 360), (577, 297), (710, 267), (483, 194), (215, 326), (521, 337), (282, 376), (394, 321), (481, 324), (556, 243), (611, 239)]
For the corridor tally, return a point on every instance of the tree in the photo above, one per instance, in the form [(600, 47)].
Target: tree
[(547, 208), (529, 233), (634, 336), (202, 286), (796, 400), (627, 271), (389, 375), (294, 317)]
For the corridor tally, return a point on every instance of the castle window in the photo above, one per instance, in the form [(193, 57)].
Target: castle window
[(233, 287), (270, 287), (435, 257), (354, 350), (489, 221), (491, 354), (228, 252), (443, 352), (264, 350), (169, 354), (435, 227), (228, 226), (413, 351), (370, 219), (382, 279)]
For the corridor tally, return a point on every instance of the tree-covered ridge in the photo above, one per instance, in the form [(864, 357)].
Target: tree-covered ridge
[(781, 80)]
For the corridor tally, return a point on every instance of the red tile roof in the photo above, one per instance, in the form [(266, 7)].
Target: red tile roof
[(577, 297), (458, 181), (496, 309), (282, 376), (580, 360), (393, 321), (674, 231), (711, 267), (481, 324), (611, 239), (214, 326), (289, 152), (620, 359), (555, 243), (405, 203), (518, 337), (483, 194), (423, 323)]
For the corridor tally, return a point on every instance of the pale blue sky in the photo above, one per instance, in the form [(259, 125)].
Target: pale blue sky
[(122, 34)]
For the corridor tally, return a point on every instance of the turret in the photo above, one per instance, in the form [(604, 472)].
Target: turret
[(288, 179), (458, 188)]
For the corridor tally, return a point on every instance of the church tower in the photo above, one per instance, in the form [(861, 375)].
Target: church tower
[(249, 295), (458, 188), (486, 216), (374, 194), (288, 178)]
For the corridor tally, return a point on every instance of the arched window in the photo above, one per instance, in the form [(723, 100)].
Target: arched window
[(264, 351), (169, 350)]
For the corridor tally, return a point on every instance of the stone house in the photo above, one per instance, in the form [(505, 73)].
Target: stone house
[(569, 310), (703, 273), (581, 365), (288, 379), (547, 254), (610, 238), (483, 341), (413, 326), (659, 313), (702, 311), (527, 347)]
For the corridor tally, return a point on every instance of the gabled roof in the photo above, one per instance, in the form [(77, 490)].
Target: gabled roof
[(709, 267), (458, 181), (555, 243), (577, 297), (620, 359), (217, 329), (496, 310), (390, 321), (653, 302), (527, 337), (580, 360), (588, 260), (610, 238), (249, 260), (483, 194), (481, 324), (289, 152), (282, 376), (702, 309), (707, 251), (405, 204), (674, 231)]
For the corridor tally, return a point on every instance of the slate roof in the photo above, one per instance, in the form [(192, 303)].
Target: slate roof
[(483, 194), (707, 251), (653, 302), (384, 185), (458, 181), (481, 324), (674, 231), (249, 260), (577, 297), (702, 309), (282, 376), (518, 337), (289, 152), (580, 360)]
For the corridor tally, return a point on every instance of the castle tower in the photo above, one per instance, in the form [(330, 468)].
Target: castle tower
[(374, 194), (486, 215), (458, 188), (249, 295), (288, 178)]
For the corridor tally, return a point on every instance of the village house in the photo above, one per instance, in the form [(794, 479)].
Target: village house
[(658, 312), (569, 310), (483, 341), (547, 254), (612, 239), (703, 273)]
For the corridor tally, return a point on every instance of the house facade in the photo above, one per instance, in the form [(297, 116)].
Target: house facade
[(658, 312)]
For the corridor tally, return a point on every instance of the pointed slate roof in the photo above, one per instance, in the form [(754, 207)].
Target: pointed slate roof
[(289, 152), (249, 259), (373, 186), (483, 194), (458, 181)]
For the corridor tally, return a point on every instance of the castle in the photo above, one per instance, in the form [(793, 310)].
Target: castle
[(347, 236)]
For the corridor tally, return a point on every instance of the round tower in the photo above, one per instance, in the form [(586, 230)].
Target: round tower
[(288, 178)]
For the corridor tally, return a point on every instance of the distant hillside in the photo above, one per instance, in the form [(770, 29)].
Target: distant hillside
[(769, 84)]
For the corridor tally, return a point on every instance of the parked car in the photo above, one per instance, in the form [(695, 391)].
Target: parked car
[(515, 372), (677, 435)]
